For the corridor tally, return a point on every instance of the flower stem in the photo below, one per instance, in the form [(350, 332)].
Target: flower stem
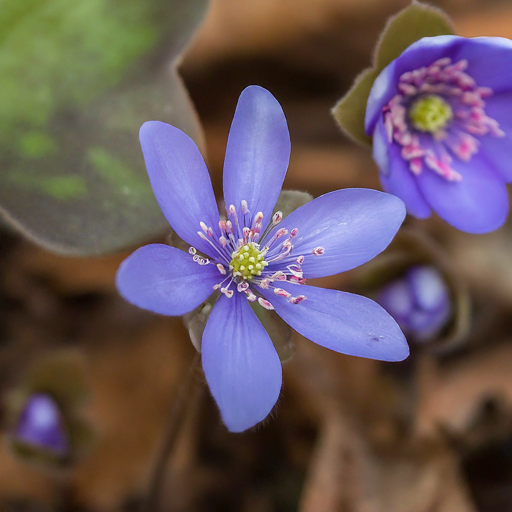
[(190, 388)]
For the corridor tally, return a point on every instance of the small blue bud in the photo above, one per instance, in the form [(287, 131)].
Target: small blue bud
[(419, 301), (40, 425)]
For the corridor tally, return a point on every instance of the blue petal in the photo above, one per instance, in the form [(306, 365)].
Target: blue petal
[(490, 61), (395, 175), (476, 204), (40, 425), (396, 299), (383, 90), (342, 322), (352, 225), (240, 363), (180, 181), (428, 288), (257, 152), (421, 53), (498, 150), (165, 280)]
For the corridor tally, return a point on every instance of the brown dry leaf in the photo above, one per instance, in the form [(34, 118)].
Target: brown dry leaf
[(451, 397)]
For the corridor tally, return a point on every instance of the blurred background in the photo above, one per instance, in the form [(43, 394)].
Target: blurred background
[(430, 434)]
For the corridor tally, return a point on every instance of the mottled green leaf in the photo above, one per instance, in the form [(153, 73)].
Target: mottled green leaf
[(409, 25), (77, 79)]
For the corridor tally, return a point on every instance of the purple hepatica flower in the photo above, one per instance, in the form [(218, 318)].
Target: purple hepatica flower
[(441, 119), (40, 425), (419, 301), (254, 256)]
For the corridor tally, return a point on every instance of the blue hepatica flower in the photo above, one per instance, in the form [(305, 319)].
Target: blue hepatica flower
[(40, 425), (441, 120), (419, 301), (252, 255)]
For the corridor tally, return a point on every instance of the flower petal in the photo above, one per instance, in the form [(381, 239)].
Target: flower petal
[(498, 150), (257, 152), (342, 322), (395, 175), (180, 181), (352, 225), (240, 363), (489, 59), (476, 204), (165, 280)]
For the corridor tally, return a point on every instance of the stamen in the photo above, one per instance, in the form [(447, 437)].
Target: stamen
[(443, 104), (318, 251), (265, 303)]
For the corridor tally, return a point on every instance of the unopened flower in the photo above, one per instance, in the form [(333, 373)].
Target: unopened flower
[(40, 426), (253, 255), (419, 301), (440, 116)]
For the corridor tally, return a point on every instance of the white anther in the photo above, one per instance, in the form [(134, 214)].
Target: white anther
[(281, 232), (223, 241), (258, 218), (192, 250), (265, 303), (250, 296), (297, 300), (203, 226), (232, 209), (300, 260), (222, 270), (281, 292), (318, 251), (294, 232), (244, 206), (241, 287), (216, 286), (277, 218)]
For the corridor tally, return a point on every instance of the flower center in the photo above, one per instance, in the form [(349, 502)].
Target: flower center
[(431, 131), (430, 113), (248, 261)]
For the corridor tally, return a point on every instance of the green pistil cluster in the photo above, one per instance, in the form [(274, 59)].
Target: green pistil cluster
[(430, 114), (248, 261)]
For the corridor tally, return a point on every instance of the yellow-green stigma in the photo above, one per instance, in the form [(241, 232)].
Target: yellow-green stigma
[(430, 114), (248, 261)]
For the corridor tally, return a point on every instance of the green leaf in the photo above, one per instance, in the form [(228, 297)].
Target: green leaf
[(409, 25), (76, 82), (351, 109)]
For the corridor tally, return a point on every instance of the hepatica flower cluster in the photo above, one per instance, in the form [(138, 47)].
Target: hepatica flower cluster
[(441, 120), (253, 256)]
